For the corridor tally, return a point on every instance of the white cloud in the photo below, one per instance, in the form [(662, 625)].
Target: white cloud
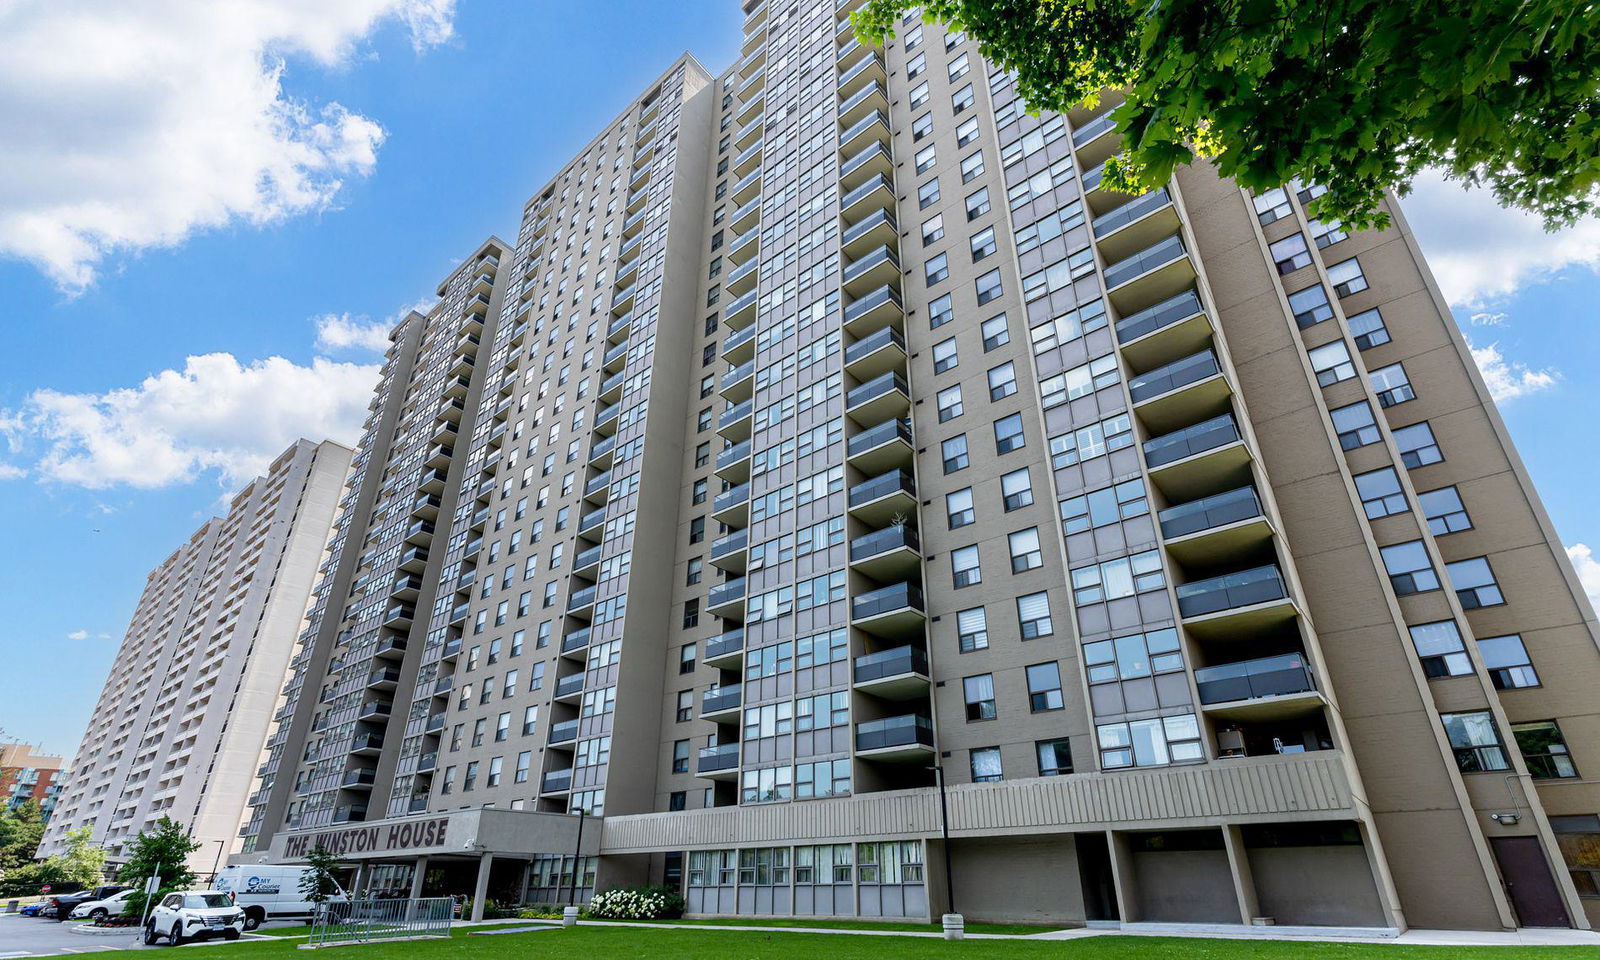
[(10, 471), (1583, 559), (216, 414), (1488, 319), (86, 635), (341, 331), (132, 125), (1507, 379), (1481, 252)]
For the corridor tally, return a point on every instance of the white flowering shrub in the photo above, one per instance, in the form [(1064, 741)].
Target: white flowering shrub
[(637, 903)]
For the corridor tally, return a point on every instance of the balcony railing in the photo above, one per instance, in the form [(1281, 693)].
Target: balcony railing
[(873, 342), (1264, 677), (581, 598), (871, 301), (876, 387), (1163, 314), (867, 261), (906, 730), (871, 151), (1179, 373), (1213, 511), (575, 640), (882, 541), (731, 498), (721, 757), (725, 593), (895, 481), (718, 699), (556, 781), (899, 596), (738, 339), (891, 663), (564, 732), (733, 454), (866, 224), (882, 433), (1130, 211), (567, 686), (1242, 589), (1094, 128), (875, 182), (1170, 447), (1156, 255), (741, 372), (724, 644), (733, 542), (734, 414)]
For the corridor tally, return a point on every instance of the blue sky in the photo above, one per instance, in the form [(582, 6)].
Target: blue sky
[(198, 245)]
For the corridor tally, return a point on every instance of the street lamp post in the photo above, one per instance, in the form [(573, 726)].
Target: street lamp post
[(216, 864), (944, 828)]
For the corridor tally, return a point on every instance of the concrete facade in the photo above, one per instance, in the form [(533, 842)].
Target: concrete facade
[(180, 726), (1168, 548)]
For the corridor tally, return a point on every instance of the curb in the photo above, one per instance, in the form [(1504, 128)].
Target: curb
[(90, 930)]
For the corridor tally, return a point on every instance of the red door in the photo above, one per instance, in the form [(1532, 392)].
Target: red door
[(1527, 877)]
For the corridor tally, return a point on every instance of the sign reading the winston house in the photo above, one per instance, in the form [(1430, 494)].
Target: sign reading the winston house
[(380, 838)]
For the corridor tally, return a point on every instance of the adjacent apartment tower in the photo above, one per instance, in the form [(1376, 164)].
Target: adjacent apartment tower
[(180, 726), (850, 508), (25, 775)]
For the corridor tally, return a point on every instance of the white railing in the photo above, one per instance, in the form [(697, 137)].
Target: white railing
[(364, 921)]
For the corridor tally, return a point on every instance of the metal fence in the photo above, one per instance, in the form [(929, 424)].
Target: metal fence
[(363, 921)]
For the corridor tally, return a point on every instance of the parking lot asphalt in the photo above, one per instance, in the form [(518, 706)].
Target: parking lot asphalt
[(32, 937)]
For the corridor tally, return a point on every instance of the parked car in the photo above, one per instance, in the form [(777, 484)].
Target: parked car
[(32, 909), (71, 901), (194, 915), (269, 892), (101, 909)]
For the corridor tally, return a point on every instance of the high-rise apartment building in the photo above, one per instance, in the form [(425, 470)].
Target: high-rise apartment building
[(25, 775), (180, 725), (857, 510)]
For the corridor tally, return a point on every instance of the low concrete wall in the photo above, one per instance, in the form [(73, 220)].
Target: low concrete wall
[(1316, 886), (1016, 879), (1185, 886)]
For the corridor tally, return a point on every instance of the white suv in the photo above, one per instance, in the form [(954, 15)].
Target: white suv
[(194, 915), (101, 909)]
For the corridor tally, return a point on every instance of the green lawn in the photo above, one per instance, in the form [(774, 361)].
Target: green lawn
[(1014, 928), (684, 943)]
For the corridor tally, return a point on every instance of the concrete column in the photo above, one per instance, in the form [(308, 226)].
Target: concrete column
[(418, 872), (1123, 877), (363, 874), (481, 889), (1244, 884)]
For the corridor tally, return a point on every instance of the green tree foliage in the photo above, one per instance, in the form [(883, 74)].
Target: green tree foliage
[(1356, 95), (162, 850), (83, 862), (318, 883), (21, 829)]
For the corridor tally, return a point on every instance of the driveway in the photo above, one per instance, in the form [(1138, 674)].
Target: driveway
[(32, 937)]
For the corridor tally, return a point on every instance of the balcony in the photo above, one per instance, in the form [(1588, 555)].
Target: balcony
[(747, 215), (747, 159), (880, 308), (751, 84), (892, 611), (1179, 392), (564, 732), (722, 703), (876, 189), (1198, 460), (570, 686), (354, 813), (886, 396), (1175, 327), (611, 387), (893, 553), (1156, 273), (1264, 689), (579, 600), (605, 419), (592, 521), (733, 464), (903, 739), (458, 614), (900, 673), (556, 781), (734, 422), (871, 98), (732, 507), (740, 345), (744, 246), (718, 763), (585, 560), (435, 723), (600, 452), (575, 641), (390, 648), (725, 651), (729, 552), (431, 481), (858, 74), (742, 278), (374, 710), (875, 354), (874, 268), (1213, 529), (879, 448), (875, 229), (727, 599), (451, 649), (383, 678), (1235, 604), (618, 329), (1092, 142), (597, 484), (742, 311), (747, 186), (884, 499), (405, 587), (736, 384), (443, 685), (1135, 225), (362, 779), (457, 387), (366, 743)]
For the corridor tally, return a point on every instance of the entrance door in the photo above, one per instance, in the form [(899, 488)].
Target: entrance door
[(1533, 890)]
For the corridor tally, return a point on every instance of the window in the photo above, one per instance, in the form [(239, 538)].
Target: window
[(699, 491), (1095, 440), (524, 762), (961, 99), (995, 332), (686, 655), (1391, 385), (971, 166), (936, 269), (1474, 583), (967, 131), (1331, 362), (954, 452), (530, 720), (1476, 741), (933, 229), (964, 565), (979, 692), (1444, 510), (1058, 276), (697, 529), (957, 68), (1025, 552), (921, 127), (496, 765), (1310, 306), (677, 800), (928, 194), (680, 756), (1579, 838), (1544, 750), (1016, 490), (1417, 446), (1055, 757), (1133, 657), (1080, 381), (940, 312), (986, 765), (1347, 278), (972, 630), (925, 159), (1002, 381), (691, 613), (1149, 743), (1409, 569), (1290, 254), (1355, 425), (958, 508), (916, 65), (1380, 493), (1507, 661), (1440, 649), (702, 454), (685, 705), (983, 246), (1114, 579), (1326, 234), (1272, 206), (950, 405), (1008, 435), (1044, 687), (989, 287), (977, 205), (1108, 505), (919, 95), (1033, 616), (1368, 330)]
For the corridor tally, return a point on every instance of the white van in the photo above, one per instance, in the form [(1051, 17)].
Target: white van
[(268, 892)]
